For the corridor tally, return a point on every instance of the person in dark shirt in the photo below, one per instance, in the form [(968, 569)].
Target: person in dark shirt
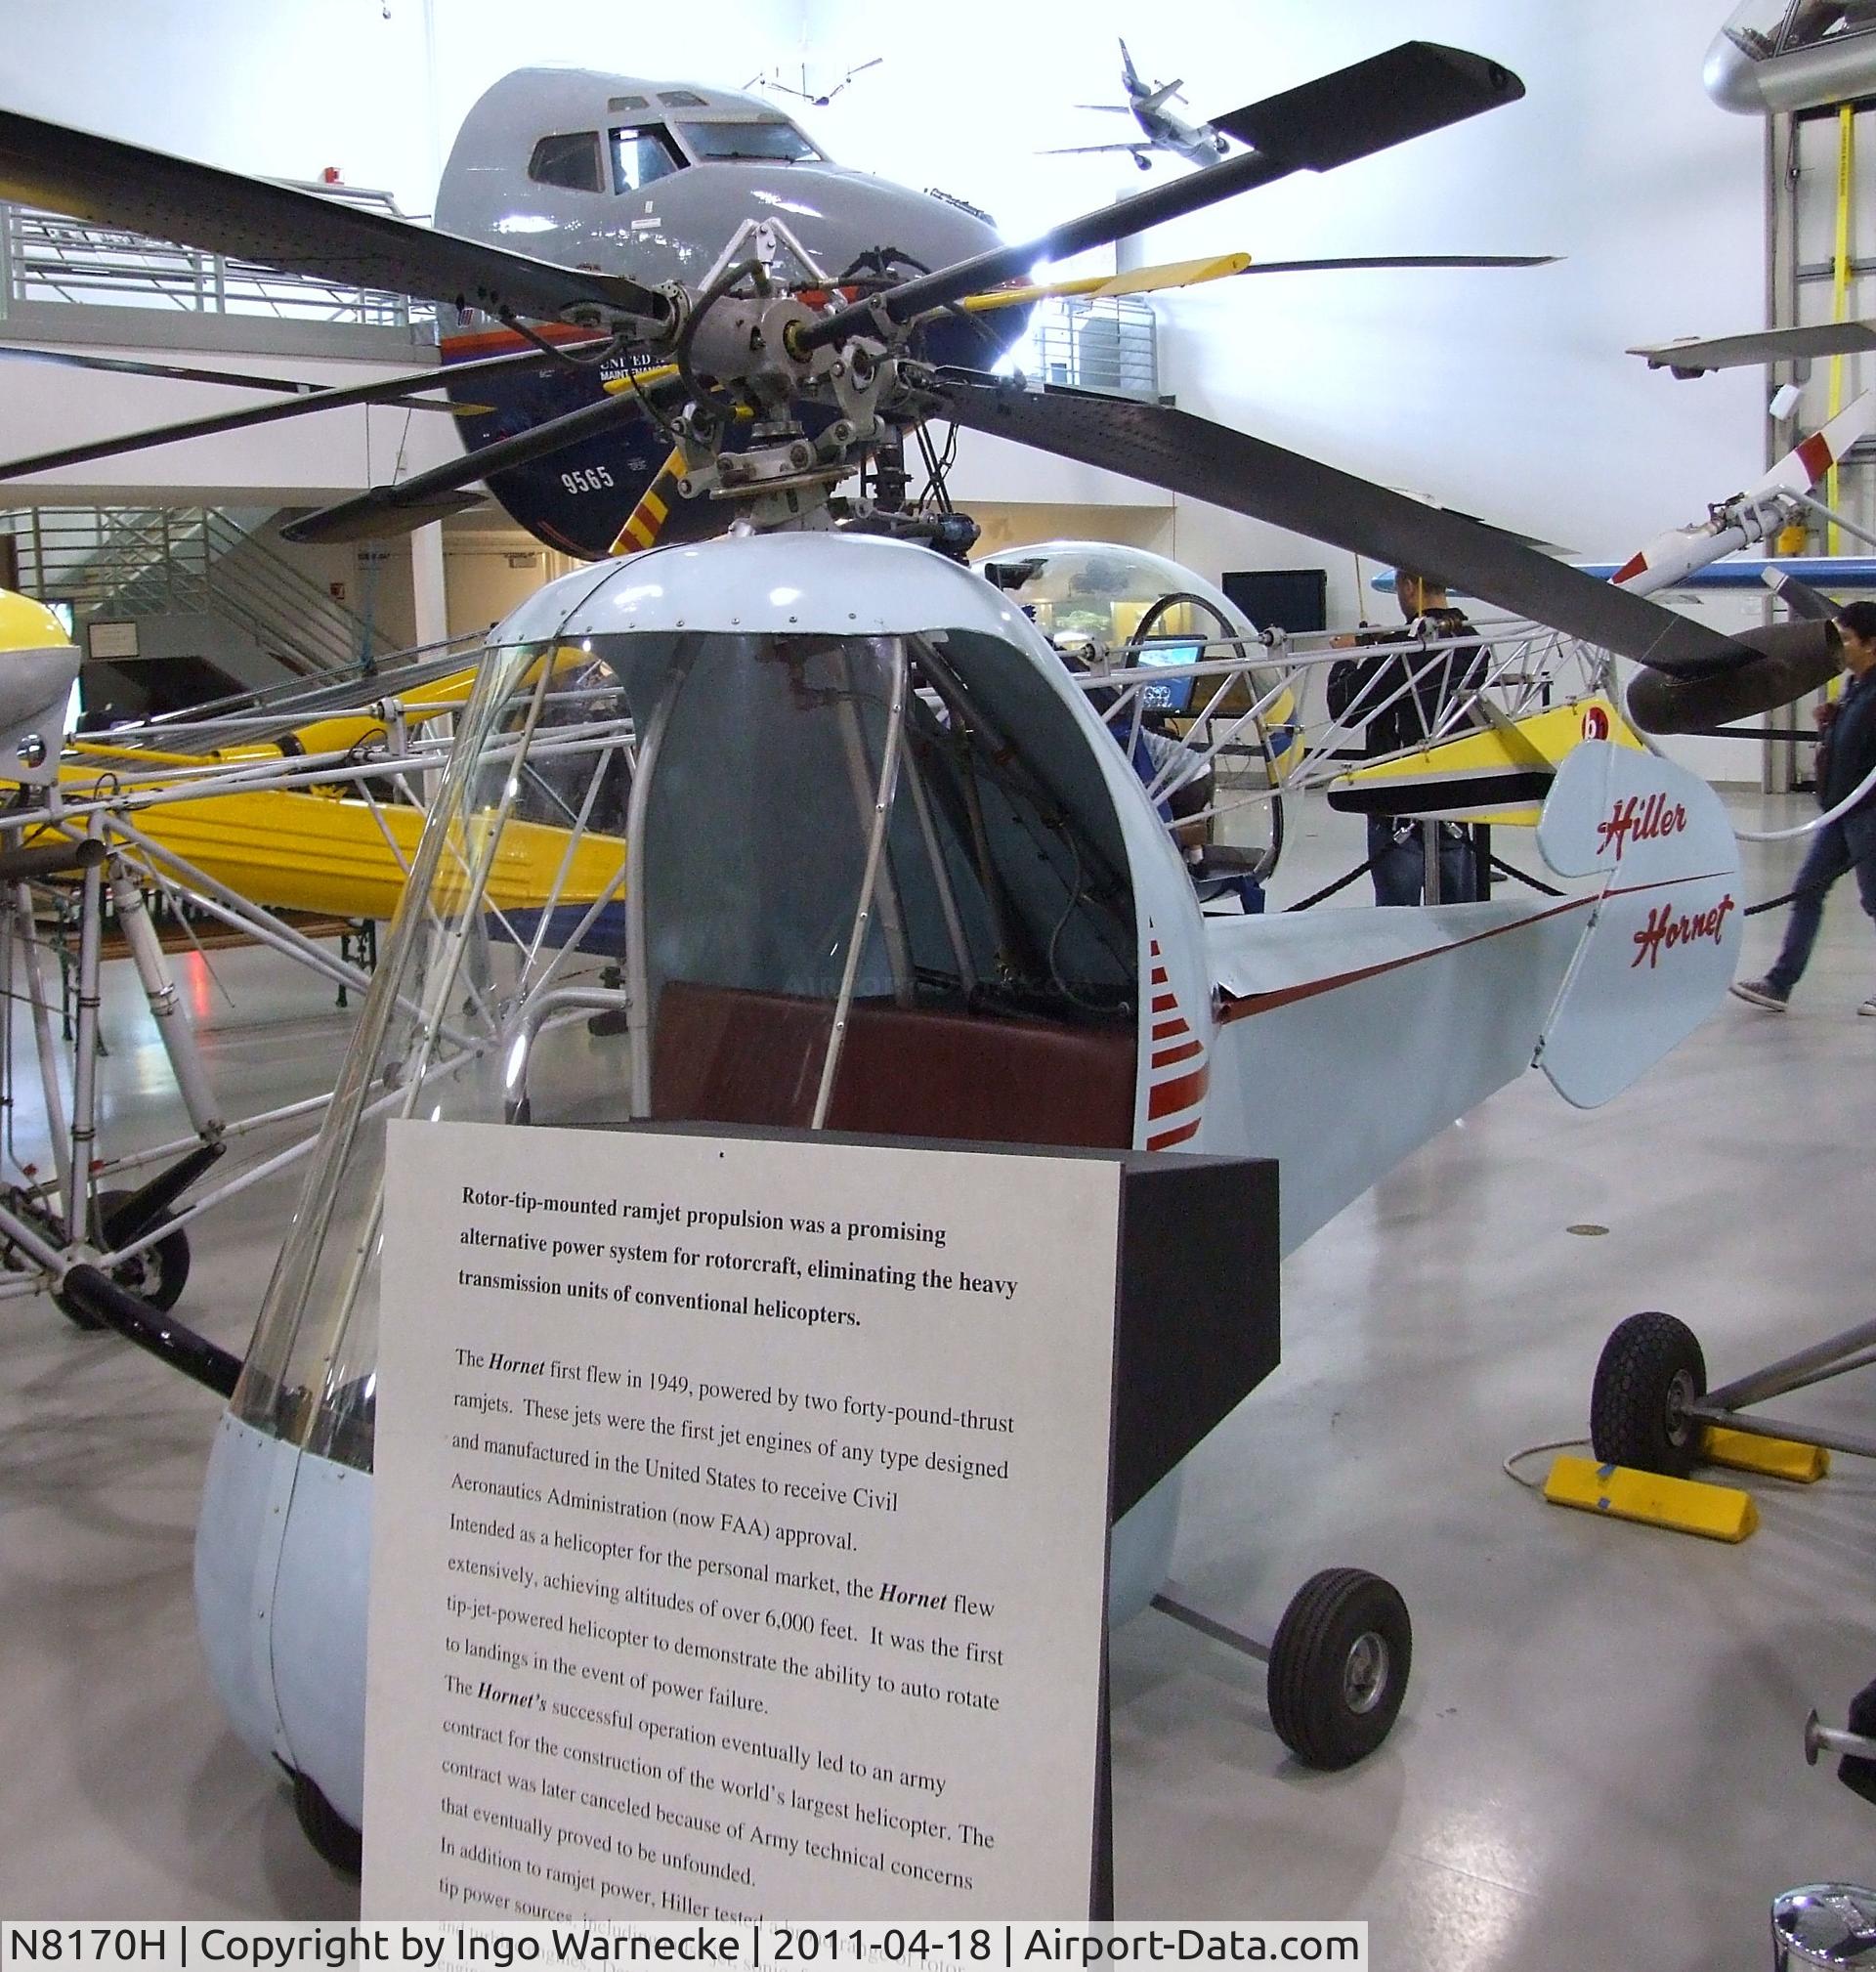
[(1844, 763), (1402, 696)]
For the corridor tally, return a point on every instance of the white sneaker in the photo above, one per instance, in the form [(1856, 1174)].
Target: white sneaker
[(1869, 1006), (1761, 993)]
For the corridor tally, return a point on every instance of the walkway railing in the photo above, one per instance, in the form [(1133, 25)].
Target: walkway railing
[(137, 562), (48, 259), (1108, 345)]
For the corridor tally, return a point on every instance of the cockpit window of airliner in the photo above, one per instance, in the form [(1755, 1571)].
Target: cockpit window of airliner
[(1762, 28), (758, 143), (570, 160), (641, 154)]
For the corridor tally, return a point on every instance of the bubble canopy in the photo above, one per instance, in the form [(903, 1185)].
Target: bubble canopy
[(840, 845), (1103, 590)]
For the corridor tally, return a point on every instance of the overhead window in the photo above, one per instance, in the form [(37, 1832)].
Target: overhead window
[(616, 102), (642, 153), (681, 98), (570, 160), (775, 142)]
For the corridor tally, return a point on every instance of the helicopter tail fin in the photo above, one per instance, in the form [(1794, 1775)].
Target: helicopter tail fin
[(1664, 936)]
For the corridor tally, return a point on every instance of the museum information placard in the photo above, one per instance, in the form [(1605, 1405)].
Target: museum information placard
[(739, 1527)]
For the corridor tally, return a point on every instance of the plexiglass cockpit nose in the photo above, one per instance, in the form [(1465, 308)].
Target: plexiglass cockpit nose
[(728, 835)]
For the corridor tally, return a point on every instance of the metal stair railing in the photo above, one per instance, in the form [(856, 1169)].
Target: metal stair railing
[(129, 562), (282, 605)]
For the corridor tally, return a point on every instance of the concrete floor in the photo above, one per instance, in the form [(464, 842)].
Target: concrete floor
[(1599, 1763)]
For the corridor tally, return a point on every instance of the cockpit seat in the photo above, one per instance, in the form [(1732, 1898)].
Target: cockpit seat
[(724, 1055)]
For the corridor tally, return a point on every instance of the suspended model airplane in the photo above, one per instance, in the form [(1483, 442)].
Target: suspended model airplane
[(886, 867), (1162, 128)]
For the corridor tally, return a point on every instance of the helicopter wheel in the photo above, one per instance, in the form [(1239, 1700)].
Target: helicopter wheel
[(158, 1273), (1650, 1371), (333, 1838), (1339, 1667)]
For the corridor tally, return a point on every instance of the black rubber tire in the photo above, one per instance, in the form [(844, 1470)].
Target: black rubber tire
[(1330, 1707), (1650, 1369), (160, 1272), (333, 1838)]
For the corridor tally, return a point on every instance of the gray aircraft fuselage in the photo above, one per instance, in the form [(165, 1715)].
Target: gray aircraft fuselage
[(628, 175)]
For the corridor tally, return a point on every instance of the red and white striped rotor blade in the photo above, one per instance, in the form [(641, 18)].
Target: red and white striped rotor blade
[(1672, 557)]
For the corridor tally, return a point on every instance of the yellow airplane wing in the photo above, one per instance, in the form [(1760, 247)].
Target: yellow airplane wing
[(313, 850), (1497, 774)]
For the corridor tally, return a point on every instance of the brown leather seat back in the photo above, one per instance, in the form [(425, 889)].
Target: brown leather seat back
[(721, 1055)]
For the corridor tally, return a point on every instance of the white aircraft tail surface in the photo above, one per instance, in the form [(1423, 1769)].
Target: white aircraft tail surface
[(1665, 935), (1346, 1037)]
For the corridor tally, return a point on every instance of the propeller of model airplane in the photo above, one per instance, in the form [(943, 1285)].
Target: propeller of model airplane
[(1230, 468), (435, 495), (1799, 597)]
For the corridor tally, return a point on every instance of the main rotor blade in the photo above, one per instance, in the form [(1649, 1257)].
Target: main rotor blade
[(389, 390), (1694, 356), (116, 184), (413, 503), (1224, 267), (1408, 92), (1231, 469), (178, 372), (1808, 605), (1356, 262)]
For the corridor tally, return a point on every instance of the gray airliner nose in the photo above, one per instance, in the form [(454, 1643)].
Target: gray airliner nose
[(1733, 78)]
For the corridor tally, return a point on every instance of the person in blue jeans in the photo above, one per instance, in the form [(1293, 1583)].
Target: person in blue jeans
[(1401, 699), (1844, 763)]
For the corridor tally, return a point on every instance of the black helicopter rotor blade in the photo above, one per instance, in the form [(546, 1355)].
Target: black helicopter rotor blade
[(393, 390), (180, 372), (1192, 456), (1806, 603), (413, 503), (149, 192), (1410, 91), (1345, 263)]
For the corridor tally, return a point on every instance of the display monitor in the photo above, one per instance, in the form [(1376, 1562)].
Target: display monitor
[(1173, 696), (1280, 599)]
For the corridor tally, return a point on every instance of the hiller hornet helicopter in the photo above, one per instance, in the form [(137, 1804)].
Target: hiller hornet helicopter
[(882, 866)]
